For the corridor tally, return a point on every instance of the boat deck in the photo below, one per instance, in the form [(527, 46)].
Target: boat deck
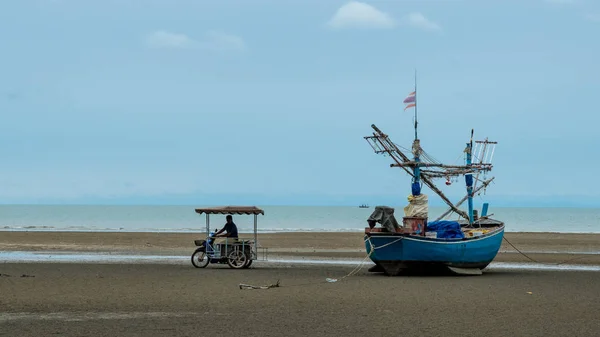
[(470, 232), (481, 223)]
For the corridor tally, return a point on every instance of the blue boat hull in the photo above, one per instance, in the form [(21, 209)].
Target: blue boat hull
[(394, 252)]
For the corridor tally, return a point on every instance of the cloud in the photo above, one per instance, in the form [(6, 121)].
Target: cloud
[(223, 41), (12, 96), (592, 17), (417, 20), (213, 40), (162, 39), (356, 14)]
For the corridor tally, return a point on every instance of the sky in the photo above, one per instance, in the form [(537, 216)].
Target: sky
[(268, 101)]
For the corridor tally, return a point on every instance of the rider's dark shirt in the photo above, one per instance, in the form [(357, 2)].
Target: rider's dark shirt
[(231, 228)]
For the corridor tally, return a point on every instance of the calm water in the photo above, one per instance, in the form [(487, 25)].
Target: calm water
[(276, 218)]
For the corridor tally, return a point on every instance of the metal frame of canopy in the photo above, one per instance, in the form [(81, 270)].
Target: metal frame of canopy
[(239, 210)]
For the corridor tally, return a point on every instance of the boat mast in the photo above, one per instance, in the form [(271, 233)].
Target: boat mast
[(469, 178), (416, 105), (416, 185), (381, 144)]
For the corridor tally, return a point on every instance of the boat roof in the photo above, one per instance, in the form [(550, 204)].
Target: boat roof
[(246, 210)]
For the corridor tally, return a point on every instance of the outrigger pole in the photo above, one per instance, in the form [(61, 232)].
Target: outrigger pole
[(484, 185), (381, 143)]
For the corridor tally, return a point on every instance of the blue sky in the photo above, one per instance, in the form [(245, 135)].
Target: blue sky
[(265, 101)]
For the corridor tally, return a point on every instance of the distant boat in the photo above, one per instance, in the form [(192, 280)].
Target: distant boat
[(363, 206), (465, 246)]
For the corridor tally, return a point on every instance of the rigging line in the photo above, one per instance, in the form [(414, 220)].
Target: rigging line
[(399, 146), (432, 158), (429, 158), (424, 154), (458, 158)]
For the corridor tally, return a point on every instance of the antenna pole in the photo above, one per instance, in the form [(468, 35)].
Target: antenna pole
[(416, 104), (416, 184)]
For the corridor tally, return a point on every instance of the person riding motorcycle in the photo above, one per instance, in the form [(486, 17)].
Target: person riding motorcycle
[(229, 227)]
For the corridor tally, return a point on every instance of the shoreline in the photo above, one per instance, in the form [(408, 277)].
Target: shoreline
[(202, 231), (278, 261), (541, 247), (35, 229)]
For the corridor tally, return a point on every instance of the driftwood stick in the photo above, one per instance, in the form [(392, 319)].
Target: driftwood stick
[(248, 286)]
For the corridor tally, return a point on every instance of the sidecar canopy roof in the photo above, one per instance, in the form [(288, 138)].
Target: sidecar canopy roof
[(240, 210)]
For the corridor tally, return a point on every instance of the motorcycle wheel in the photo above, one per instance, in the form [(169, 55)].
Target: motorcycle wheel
[(199, 258)]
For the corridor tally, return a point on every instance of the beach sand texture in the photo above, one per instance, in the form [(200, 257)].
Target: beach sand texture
[(78, 299), (177, 300)]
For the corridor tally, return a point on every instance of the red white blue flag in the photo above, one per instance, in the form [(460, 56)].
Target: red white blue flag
[(410, 100)]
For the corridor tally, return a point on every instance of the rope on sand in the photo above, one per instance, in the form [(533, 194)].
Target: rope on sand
[(362, 263), (372, 249), (535, 261), (330, 280)]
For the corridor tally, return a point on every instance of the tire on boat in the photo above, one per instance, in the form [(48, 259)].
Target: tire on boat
[(199, 258)]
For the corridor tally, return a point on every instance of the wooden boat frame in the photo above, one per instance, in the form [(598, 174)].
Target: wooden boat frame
[(459, 254)]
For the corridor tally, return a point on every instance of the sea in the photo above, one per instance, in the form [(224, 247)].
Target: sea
[(100, 218)]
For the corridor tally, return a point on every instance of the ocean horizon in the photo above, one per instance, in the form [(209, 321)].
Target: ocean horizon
[(182, 218)]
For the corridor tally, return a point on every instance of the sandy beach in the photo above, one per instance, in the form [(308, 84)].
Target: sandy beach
[(542, 247), (168, 300), (77, 299)]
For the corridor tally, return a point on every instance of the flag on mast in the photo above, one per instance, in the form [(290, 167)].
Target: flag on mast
[(410, 100)]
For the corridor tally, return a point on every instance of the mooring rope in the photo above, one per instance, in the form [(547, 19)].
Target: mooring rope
[(362, 263), (535, 261), (354, 271)]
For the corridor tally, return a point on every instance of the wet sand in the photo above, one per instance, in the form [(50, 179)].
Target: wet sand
[(76, 299), (541, 247), (177, 300)]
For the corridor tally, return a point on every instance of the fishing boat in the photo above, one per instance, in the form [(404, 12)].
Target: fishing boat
[(465, 246), (363, 206)]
